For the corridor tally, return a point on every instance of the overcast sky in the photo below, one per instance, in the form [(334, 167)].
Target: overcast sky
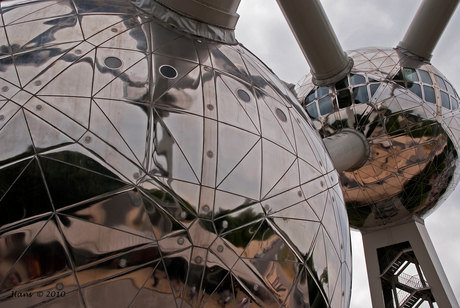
[(263, 30)]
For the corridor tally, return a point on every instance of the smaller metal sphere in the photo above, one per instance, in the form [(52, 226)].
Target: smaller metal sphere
[(408, 112)]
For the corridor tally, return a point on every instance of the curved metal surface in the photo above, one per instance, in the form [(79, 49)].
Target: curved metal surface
[(409, 113), (144, 167)]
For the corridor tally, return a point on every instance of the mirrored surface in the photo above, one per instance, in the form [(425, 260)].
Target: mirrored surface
[(142, 166), (402, 106)]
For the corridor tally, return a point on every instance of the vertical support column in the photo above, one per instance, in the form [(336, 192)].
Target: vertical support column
[(416, 234)]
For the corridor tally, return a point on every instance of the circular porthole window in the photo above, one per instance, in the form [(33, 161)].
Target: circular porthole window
[(113, 62), (280, 114), (244, 95), (168, 71)]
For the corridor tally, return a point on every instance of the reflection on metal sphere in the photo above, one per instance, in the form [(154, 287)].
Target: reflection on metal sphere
[(409, 113), (151, 168)]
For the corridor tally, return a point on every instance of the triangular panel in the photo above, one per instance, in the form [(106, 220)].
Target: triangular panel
[(300, 233), (233, 145), (229, 108), (119, 73), (162, 83), (168, 160), (187, 131), (245, 179), (76, 108), (45, 136), (76, 80), (105, 241), (35, 62), (27, 197), (123, 211), (276, 163), (156, 291), (185, 96), (16, 141), (46, 245), (71, 184)]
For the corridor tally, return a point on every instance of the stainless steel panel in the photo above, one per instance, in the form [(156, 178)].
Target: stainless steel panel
[(185, 96), (414, 153), (32, 267), (155, 167), (44, 32), (18, 13)]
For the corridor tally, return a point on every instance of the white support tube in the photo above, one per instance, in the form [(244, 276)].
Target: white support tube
[(427, 27), (313, 31), (221, 13), (349, 149)]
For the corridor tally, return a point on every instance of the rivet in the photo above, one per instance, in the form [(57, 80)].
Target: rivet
[(332, 179), (88, 139), (122, 262), (320, 163), (256, 287), (183, 215), (210, 107), (59, 286), (207, 68), (199, 41), (210, 154), (77, 51), (225, 224), (267, 207), (38, 83), (114, 30), (39, 107), (333, 199), (136, 175), (180, 241), (220, 248), (198, 260), (206, 208), (5, 88), (299, 193), (2, 117), (322, 184)]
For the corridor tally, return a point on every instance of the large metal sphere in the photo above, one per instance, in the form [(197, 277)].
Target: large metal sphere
[(144, 167), (409, 113)]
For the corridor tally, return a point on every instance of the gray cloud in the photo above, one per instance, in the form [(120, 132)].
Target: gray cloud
[(263, 30)]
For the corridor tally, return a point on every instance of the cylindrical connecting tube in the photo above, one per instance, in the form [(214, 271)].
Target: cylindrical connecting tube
[(313, 31), (427, 27), (348, 149)]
